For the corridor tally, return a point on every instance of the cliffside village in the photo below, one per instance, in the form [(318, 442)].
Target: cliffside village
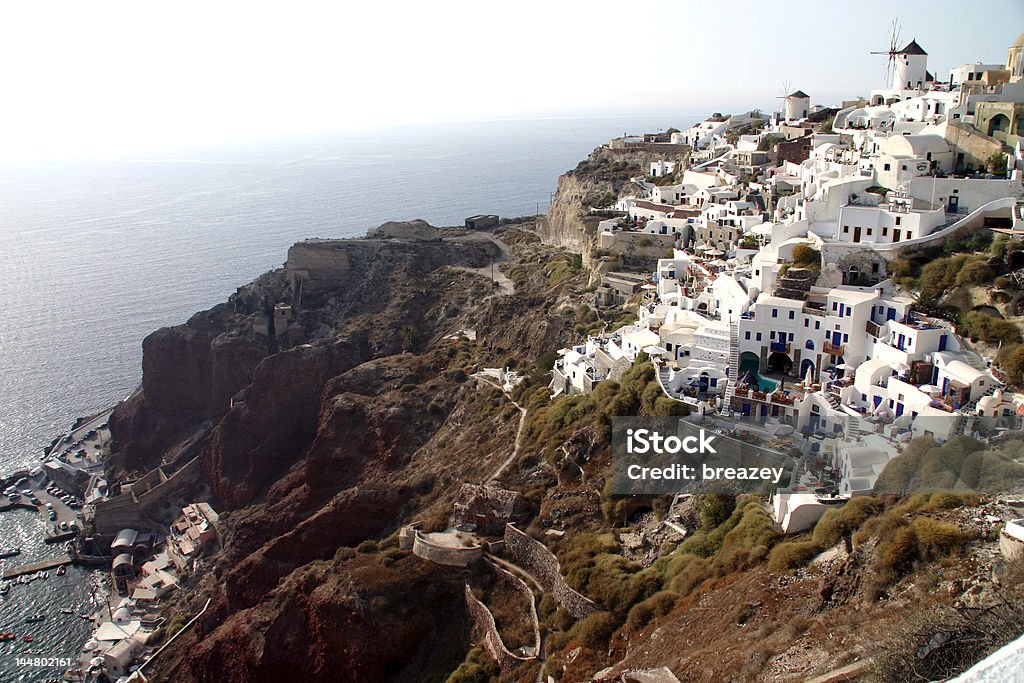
[(776, 303)]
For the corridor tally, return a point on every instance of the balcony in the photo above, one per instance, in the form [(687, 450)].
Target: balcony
[(874, 329), (834, 349), (814, 309), (779, 347)]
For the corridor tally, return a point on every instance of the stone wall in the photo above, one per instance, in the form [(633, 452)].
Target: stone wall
[(450, 556), (485, 633), (535, 558)]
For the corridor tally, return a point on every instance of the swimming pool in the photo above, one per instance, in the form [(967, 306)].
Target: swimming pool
[(752, 366)]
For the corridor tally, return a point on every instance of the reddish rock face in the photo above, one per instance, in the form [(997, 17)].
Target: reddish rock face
[(349, 621), (272, 422)]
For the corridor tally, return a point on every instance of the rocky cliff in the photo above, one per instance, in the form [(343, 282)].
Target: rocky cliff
[(324, 437), (595, 183)]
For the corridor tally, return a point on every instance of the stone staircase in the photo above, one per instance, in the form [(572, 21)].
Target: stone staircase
[(734, 364)]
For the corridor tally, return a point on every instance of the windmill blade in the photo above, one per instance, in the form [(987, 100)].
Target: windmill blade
[(786, 85)]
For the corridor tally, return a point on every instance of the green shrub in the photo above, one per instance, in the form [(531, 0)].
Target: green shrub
[(687, 572), (897, 550), (839, 523), (595, 631), (478, 667), (658, 605), (791, 555), (937, 540)]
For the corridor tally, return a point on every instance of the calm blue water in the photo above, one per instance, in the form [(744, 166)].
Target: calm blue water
[(94, 256)]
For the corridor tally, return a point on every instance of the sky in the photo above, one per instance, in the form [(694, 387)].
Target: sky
[(91, 78)]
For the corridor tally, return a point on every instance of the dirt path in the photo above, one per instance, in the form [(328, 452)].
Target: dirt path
[(504, 285), (519, 431)]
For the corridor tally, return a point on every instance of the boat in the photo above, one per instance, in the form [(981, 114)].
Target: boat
[(28, 639), (46, 575), (83, 615), (34, 618), (66, 610), (9, 552), (62, 570), (7, 635)]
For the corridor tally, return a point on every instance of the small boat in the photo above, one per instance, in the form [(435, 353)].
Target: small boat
[(7, 635), (9, 552), (34, 618), (28, 639), (66, 610), (46, 575), (83, 615), (62, 570), (4, 588)]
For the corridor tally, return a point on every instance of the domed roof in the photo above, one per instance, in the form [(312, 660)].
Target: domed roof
[(1019, 42)]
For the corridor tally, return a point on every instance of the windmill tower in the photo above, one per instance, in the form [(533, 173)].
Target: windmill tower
[(796, 104), (906, 68)]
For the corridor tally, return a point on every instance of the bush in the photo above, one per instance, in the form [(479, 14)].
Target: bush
[(791, 555), (805, 256), (596, 630), (686, 573), (976, 272), (840, 523), (643, 613), (898, 549), (367, 546), (478, 667), (937, 540)]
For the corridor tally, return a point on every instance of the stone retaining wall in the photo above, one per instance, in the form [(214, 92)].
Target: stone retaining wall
[(485, 633), (535, 558), (443, 554)]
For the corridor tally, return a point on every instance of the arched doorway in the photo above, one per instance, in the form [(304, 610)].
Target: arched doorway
[(779, 362), (806, 365), (998, 124)]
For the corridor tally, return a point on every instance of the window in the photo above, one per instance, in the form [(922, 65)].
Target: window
[(772, 335), (758, 336), (869, 232), (792, 315), (807, 322), (747, 337), (835, 305), (846, 338), (899, 220), (817, 324), (791, 338), (775, 313), (846, 229), (887, 167)]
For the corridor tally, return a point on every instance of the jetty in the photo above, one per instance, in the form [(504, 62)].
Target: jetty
[(42, 565)]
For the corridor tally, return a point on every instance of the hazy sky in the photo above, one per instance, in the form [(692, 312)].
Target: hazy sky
[(82, 78)]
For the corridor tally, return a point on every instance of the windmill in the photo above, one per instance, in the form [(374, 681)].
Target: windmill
[(784, 93), (894, 49)]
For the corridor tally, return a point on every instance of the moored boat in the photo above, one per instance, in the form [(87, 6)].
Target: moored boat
[(34, 618), (9, 552)]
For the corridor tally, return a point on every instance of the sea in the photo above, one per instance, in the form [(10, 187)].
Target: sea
[(96, 254)]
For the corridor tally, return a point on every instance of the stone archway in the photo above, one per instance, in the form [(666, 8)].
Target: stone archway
[(998, 124)]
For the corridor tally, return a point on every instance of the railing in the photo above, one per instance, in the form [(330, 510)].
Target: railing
[(834, 349), (814, 310), (874, 329)]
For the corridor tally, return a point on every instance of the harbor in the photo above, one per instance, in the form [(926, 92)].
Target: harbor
[(36, 567)]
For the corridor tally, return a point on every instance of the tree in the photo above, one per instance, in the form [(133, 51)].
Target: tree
[(805, 256), (996, 163)]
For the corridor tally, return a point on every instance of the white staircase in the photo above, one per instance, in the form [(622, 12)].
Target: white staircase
[(734, 364)]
